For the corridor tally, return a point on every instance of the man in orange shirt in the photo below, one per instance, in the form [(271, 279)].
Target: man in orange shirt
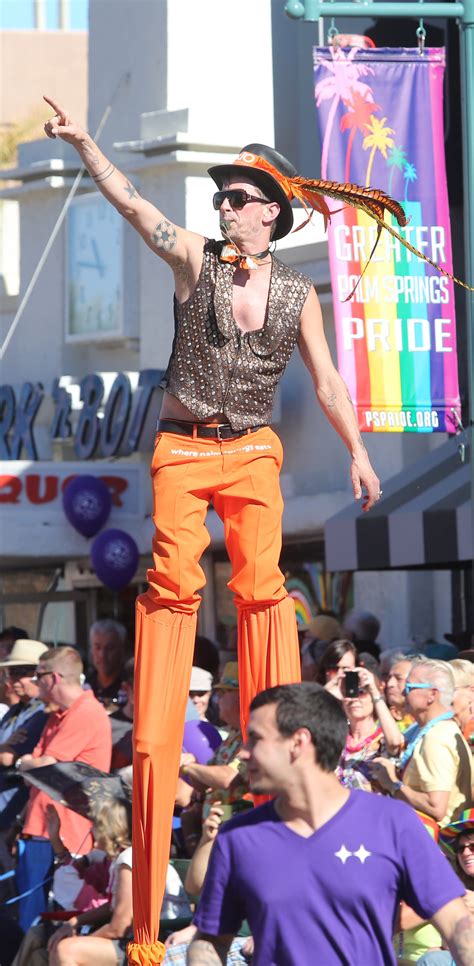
[(77, 730)]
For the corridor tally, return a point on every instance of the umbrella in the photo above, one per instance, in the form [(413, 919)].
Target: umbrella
[(79, 786)]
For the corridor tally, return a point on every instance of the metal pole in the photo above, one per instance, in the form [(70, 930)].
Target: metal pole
[(467, 125), (311, 10)]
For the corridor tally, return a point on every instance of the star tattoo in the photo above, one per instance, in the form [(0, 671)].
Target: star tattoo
[(164, 236), (131, 191)]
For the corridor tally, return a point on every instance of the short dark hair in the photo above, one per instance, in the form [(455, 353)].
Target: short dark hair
[(13, 633), (308, 705)]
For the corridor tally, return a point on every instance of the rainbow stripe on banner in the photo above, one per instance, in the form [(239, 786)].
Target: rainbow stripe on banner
[(381, 124)]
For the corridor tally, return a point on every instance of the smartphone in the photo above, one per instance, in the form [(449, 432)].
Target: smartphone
[(351, 684)]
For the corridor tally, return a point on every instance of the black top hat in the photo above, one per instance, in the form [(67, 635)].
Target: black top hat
[(263, 179)]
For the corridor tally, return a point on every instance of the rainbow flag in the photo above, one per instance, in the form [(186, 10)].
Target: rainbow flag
[(380, 114)]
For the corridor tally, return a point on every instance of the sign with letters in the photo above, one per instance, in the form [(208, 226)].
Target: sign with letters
[(380, 114), (101, 424)]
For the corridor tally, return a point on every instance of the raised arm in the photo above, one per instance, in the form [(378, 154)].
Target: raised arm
[(334, 398), (180, 248)]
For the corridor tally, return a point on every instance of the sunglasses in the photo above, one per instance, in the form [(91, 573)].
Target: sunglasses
[(237, 198), (21, 672), (42, 674), (413, 686), (462, 848)]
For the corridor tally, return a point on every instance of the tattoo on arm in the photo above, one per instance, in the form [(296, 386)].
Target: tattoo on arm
[(331, 400), (462, 942), (104, 174), (361, 442), (164, 236), (105, 171), (204, 952), (131, 190)]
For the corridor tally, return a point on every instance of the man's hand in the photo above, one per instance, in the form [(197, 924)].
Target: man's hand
[(364, 477), (210, 825), (384, 772), (53, 822), (185, 935), (62, 125), (25, 763), (186, 759)]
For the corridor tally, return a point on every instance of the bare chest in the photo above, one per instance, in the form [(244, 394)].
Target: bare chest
[(250, 293)]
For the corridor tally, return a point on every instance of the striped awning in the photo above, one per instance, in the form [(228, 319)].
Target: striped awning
[(423, 519)]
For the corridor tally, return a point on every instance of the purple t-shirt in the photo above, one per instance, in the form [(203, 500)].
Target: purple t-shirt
[(331, 898)]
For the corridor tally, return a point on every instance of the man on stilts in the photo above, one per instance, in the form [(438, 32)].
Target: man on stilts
[(239, 313)]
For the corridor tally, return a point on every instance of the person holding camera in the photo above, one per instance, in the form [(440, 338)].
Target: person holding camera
[(338, 657), (372, 730)]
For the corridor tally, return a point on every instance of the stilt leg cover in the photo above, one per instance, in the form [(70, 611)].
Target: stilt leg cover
[(163, 658), (143, 955), (268, 650)]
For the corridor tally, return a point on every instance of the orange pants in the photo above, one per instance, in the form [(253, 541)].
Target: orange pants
[(240, 478)]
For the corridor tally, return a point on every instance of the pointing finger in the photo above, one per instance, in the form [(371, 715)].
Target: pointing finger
[(54, 104)]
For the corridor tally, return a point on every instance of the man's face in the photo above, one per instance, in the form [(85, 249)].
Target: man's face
[(267, 753), (242, 224), (229, 707), (106, 652), (419, 700), (21, 683), (396, 681), (46, 683)]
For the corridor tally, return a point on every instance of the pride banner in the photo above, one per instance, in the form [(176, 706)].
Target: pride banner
[(380, 115)]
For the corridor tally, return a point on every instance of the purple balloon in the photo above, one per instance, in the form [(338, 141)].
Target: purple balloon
[(87, 503), (201, 740), (114, 556)]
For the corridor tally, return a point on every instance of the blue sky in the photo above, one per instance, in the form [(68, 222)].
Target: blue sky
[(18, 14)]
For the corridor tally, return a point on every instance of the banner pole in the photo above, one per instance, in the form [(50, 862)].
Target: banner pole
[(467, 125), (311, 10)]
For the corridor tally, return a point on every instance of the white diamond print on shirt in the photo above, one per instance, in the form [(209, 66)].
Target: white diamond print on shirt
[(362, 854)]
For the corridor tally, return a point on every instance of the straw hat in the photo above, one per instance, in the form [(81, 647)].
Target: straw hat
[(24, 652)]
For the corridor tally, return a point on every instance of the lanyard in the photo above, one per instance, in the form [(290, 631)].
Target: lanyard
[(410, 748)]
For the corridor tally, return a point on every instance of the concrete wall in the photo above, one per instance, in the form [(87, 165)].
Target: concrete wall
[(33, 63)]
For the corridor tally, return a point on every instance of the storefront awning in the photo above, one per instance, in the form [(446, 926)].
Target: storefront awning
[(423, 519)]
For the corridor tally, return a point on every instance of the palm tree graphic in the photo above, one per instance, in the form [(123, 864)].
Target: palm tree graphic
[(409, 173), (356, 119), (396, 161), (378, 139), (342, 83)]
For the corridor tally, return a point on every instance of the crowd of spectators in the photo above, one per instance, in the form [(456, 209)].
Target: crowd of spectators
[(410, 736)]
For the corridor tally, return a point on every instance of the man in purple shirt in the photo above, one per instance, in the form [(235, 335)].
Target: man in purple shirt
[(320, 871)]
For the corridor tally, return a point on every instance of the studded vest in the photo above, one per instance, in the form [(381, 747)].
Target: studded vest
[(217, 368)]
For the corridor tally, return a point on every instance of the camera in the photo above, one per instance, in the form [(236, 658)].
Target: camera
[(351, 684)]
